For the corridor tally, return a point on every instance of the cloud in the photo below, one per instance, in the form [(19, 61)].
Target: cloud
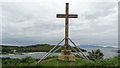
[(30, 23)]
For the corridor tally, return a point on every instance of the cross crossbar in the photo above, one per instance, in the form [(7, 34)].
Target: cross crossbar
[(69, 16)]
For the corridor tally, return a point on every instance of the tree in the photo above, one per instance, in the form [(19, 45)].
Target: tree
[(96, 54)]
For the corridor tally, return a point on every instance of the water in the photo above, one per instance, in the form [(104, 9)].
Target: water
[(107, 53)]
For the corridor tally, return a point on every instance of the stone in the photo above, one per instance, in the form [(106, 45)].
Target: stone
[(66, 55)]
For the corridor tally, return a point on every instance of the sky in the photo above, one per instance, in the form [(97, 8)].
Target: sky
[(34, 22)]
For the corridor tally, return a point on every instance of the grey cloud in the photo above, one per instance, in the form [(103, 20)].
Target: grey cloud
[(31, 23)]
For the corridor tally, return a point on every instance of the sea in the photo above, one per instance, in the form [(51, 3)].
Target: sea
[(108, 52)]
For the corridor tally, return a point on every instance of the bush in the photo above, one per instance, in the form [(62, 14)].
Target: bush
[(28, 60), (96, 54)]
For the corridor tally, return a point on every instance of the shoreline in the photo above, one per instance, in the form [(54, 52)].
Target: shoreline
[(22, 53), (32, 53)]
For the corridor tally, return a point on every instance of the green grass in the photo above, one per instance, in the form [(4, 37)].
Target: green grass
[(80, 62), (53, 61)]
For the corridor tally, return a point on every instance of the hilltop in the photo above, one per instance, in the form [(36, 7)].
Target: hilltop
[(53, 61)]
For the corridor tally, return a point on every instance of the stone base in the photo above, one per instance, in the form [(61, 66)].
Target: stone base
[(66, 56)]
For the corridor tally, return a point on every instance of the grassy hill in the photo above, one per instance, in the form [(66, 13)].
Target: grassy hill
[(80, 62), (31, 48), (53, 61)]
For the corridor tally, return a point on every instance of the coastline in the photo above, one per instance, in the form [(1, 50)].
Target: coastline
[(23, 53), (32, 53)]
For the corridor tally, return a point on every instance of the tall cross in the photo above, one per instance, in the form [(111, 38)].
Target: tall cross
[(67, 16)]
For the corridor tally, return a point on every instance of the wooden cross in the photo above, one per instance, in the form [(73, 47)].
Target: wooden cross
[(67, 16)]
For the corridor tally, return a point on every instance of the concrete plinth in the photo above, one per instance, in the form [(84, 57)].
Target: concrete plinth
[(66, 55)]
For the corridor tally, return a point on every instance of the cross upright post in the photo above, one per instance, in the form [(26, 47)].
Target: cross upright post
[(67, 16), (66, 25)]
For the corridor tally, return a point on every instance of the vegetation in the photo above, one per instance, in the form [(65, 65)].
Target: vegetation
[(18, 62), (82, 62), (53, 61), (118, 51), (32, 48), (95, 54)]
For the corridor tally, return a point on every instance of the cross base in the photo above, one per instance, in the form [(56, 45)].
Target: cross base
[(66, 55)]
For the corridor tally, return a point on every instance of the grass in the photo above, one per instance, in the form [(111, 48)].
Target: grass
[(81, 62), (53, 61)]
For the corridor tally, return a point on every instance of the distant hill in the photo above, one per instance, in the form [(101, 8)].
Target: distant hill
[(32, 48), (95, 46)]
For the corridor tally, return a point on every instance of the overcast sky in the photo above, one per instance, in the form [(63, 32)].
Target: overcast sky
[(27, 23)]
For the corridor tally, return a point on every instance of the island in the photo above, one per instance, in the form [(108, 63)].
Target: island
[(31, 48)]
